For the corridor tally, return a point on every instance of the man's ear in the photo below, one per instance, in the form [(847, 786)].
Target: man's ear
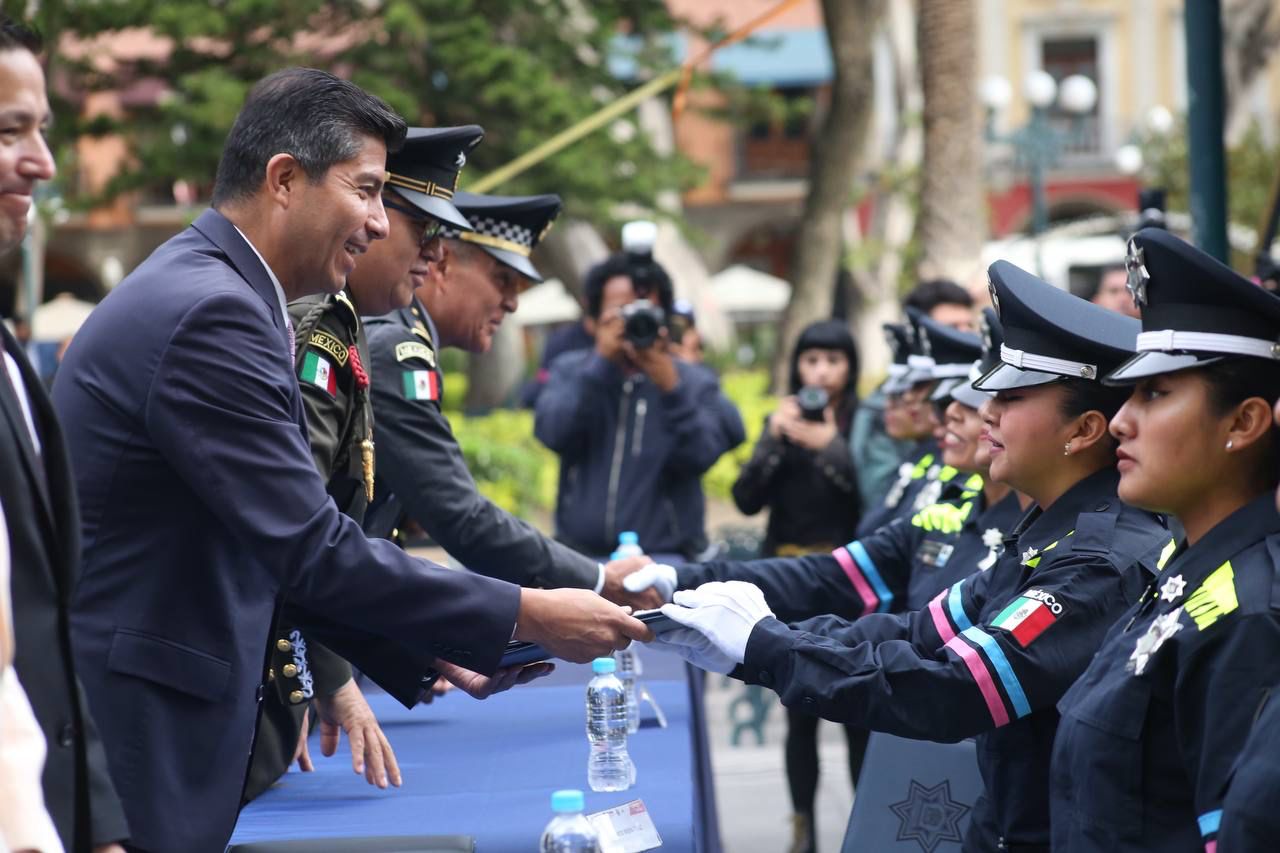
[(284, 175)]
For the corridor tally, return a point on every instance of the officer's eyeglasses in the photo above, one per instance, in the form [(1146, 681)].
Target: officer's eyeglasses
[(429, 225)]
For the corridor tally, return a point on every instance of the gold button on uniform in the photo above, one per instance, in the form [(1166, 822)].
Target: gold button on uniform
[(284, 645), (296, 696), (289, 670)]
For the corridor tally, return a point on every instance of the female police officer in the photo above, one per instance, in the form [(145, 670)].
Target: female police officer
[(1150, 731), (907, 561), (992, 655)]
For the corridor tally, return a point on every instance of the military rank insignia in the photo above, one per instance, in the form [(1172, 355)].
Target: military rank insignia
[(317, 371), (421, 385)]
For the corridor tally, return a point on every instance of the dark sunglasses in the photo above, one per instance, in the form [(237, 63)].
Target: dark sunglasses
[(431, 227)]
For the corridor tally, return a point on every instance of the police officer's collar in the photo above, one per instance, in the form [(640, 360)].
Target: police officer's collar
[(1051, 335), (1095, 493), (1195, 310), (1247, 526)]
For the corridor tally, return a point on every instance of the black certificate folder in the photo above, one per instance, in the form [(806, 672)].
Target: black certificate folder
[(364, 844), (523, 654)]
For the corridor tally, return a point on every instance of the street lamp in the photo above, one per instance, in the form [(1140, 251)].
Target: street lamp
[(1037, 143)]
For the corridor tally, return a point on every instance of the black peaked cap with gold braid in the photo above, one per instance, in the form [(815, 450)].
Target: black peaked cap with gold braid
[(507, 227), (425, 170)]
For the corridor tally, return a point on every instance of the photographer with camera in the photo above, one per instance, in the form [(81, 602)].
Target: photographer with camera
[(635, 428), (803, 471)]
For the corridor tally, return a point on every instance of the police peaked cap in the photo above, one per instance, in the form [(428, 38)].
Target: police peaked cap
[(1051, 335), (992, 337), (1195, 310), (425, 169), (507, 227), (953, 352), (899, 340)]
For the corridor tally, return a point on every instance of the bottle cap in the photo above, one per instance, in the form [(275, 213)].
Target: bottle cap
[(566, 801), (628, 537), (603, 665)]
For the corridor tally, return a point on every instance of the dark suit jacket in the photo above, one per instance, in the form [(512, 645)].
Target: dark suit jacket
[(200, 507), (44, 534)]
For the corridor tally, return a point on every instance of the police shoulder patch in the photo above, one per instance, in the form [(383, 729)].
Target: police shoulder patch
[(322, 340), (413, 349), (1029, 615)]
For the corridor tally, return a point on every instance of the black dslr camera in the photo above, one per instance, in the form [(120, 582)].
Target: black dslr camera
[(643, 320), (812, 401), (642, 323)]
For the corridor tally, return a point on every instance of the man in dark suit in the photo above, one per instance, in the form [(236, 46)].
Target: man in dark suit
[(39, 501), (200, 504)]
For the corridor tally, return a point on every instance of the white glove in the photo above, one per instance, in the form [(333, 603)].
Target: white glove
[(657, 575), (696, 649), (722, 611)]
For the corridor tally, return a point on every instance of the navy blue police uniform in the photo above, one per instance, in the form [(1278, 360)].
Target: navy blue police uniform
[(424, 475), (938, 354), (1251, 807), (1150, 732), (898, 567), (1003, 645)]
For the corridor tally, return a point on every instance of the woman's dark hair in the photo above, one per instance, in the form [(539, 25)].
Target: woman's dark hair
[(1085, 395), (1234, 380), (830, 334), (624, 264), (311, 114), (928, 295)]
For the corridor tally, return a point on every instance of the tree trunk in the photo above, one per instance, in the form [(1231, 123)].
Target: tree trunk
[(850, 27), (1250, 35), (952, 210)]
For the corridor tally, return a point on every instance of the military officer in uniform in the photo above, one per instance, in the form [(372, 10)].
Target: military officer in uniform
[(472, 286), (990, 656), (1151, 731), (330, 358)]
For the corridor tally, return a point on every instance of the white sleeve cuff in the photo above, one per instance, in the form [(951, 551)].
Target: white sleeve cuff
[(600, 579)]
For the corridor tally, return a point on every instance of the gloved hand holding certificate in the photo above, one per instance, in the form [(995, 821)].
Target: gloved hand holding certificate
[(522, 654)]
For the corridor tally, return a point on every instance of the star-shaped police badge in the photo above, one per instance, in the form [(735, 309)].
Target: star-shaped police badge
[(928, 816), (461, 161), (1172, 588), (1029, 555), (1135, 266), (993, 541), (995, 299), (1149, 643)]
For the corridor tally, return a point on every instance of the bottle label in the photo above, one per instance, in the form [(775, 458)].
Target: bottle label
[(627, 828)]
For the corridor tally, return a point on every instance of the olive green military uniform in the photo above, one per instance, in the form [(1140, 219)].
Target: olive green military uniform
[(330, 358)]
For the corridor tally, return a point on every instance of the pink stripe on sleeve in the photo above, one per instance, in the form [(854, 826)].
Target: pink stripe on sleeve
[(980, 675), (870, 600), (940, 622), (1211, 846)]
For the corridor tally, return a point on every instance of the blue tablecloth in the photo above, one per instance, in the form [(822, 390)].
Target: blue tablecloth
[(487, 769)]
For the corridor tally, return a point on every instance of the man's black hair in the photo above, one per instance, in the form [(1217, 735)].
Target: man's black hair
[(318, 118), (624, 264), (928, 295), (17, 36)]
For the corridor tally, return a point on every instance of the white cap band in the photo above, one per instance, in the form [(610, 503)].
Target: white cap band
[(1170, 340), (1030, 361)]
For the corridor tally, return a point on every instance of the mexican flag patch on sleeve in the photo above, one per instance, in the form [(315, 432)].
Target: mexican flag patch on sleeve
[(1028, 616), (317, 371), (421, 385)]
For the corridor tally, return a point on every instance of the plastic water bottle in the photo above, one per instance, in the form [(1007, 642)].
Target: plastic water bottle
[(628, 545), (609, 768), (628, 660), (569, 831)]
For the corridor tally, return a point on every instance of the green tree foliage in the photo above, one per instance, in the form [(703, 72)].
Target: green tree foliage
[(524, 69)]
